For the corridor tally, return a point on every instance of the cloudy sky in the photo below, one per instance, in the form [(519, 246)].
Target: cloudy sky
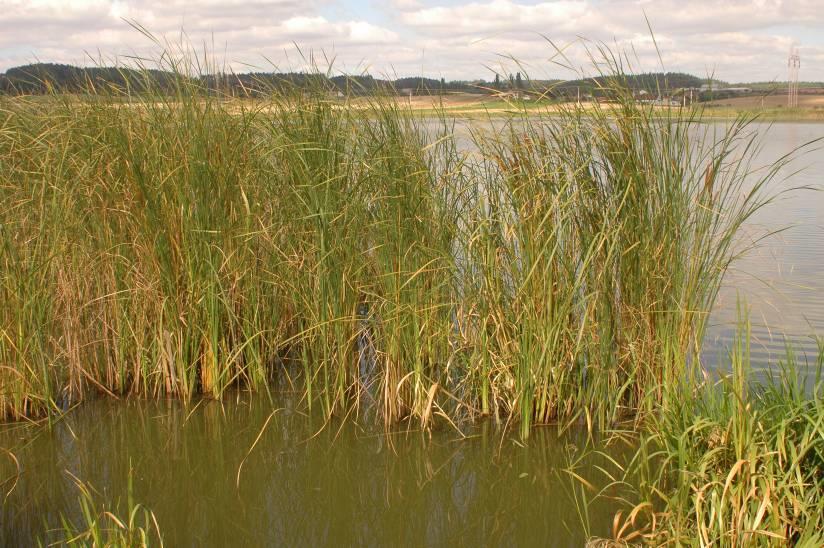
[(736, 40)]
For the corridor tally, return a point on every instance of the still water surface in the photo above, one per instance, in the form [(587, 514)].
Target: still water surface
[(782, 280), (340, 485), (301, 485)]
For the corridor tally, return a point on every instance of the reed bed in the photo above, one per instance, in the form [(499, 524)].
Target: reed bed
[(553, 270)]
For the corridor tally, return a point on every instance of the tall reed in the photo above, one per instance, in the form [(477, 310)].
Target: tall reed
[(598, 241), (186, 243)]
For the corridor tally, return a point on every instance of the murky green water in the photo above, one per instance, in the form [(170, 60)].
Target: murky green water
[(301, 485), (342, 485)]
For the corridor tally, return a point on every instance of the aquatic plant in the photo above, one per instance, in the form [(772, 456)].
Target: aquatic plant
[(735, 462), (554, 269), (101, 527)]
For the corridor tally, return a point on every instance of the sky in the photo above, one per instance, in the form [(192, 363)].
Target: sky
[(734, 40)]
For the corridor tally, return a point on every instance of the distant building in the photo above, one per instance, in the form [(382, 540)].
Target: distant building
[(516, 94), (710, 87), (661, 102)]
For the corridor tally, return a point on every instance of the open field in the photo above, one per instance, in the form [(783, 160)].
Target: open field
[(467, 105), (772, 101), (771, 107)]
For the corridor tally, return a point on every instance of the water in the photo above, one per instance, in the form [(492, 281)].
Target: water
[(307, 485), (301, 484), (782, 280)]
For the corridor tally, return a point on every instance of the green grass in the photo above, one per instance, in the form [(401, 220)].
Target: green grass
[(814, 114), (505, 108)]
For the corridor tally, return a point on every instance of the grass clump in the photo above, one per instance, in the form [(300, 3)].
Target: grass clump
[(735, 462), (598, 243)]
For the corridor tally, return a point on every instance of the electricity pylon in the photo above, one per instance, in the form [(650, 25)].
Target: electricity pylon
[(793, 64)]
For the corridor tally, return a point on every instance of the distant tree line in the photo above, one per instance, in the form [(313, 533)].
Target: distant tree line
[(655, 83), (43, 78), (46, 77)]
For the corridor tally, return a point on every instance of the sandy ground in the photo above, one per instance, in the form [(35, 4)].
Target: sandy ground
[(450, 100), (468, 101)]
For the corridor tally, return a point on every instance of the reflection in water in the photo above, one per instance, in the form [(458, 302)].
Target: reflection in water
[(301, 485)]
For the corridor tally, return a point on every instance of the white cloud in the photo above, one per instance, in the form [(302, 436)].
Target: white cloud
[(735, 39), (500, 15)]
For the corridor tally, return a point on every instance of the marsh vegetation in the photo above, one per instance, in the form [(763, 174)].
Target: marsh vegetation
[(175, 245)]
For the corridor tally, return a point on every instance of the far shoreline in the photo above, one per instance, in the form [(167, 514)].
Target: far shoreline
[(811, 108), (707, 115)]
